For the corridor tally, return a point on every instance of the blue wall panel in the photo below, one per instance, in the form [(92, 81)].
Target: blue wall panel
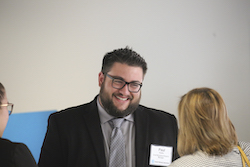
[(28, 128)]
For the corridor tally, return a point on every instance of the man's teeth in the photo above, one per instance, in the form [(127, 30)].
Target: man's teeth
[(121, 98)]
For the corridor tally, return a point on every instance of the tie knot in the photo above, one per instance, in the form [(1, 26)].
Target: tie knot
[(116, 123)]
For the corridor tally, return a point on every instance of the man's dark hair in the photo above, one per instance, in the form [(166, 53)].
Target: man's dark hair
[(124, 56)]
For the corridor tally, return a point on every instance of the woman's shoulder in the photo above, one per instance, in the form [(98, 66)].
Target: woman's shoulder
[(10, 145), (245, 146), (10, 148), (6, 144), (15, 153), (200, 158), (5, 141), (190, 160)]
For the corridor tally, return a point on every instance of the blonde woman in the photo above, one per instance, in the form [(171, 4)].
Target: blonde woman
[(207, 137), (11, 154)]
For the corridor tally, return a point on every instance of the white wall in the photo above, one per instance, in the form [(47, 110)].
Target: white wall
[(51, 51)]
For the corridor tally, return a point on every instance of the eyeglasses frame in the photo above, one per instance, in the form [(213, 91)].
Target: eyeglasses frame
[(8, 104), (126, 83)]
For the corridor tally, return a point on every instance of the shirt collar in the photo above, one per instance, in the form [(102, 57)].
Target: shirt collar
[(105, 117)]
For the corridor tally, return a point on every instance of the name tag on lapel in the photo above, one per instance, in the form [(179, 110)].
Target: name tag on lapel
[(160, 155)]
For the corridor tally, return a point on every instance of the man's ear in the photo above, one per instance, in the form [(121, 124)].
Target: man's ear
[(100, 78)]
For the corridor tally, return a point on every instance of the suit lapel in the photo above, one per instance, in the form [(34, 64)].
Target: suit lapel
[(92, 120), (141, 137), (141, 134)]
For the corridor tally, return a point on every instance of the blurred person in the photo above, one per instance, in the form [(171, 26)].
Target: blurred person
[(82, 135), (207, 137), (11, 154)]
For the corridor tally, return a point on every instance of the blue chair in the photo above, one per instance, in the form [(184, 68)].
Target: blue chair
[(28, 128)]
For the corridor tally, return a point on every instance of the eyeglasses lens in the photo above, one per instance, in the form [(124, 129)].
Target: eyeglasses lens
[(10, 107)]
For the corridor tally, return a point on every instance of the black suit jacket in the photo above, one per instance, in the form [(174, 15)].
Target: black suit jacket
[(15, 155), (74, 136)]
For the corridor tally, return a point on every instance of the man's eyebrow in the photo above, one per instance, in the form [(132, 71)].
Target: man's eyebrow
[(118, 77)]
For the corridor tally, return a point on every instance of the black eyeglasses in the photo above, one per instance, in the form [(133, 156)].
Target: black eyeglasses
[(133, 87), (9, 107)]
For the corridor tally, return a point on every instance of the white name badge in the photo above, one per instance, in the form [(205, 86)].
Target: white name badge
[(160, 155)]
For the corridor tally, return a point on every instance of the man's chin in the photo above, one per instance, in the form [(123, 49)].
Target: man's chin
[(121, 114), (121, 109)]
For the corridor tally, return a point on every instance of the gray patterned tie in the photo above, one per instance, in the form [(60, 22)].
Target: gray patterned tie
[(117, 156)]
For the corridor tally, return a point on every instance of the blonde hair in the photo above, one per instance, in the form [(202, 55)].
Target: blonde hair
[(204, 124)]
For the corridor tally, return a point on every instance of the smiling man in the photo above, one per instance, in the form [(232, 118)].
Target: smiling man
[(115, 94), (87, 135)]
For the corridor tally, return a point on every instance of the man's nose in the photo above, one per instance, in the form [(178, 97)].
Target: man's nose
[(125, 89)]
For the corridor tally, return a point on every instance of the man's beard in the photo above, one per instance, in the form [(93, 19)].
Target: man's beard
[(111, 109)]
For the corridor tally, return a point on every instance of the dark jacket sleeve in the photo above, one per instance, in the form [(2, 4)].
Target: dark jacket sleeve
[(51, 153), (22, 156), (74, 138), (15, 154)]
